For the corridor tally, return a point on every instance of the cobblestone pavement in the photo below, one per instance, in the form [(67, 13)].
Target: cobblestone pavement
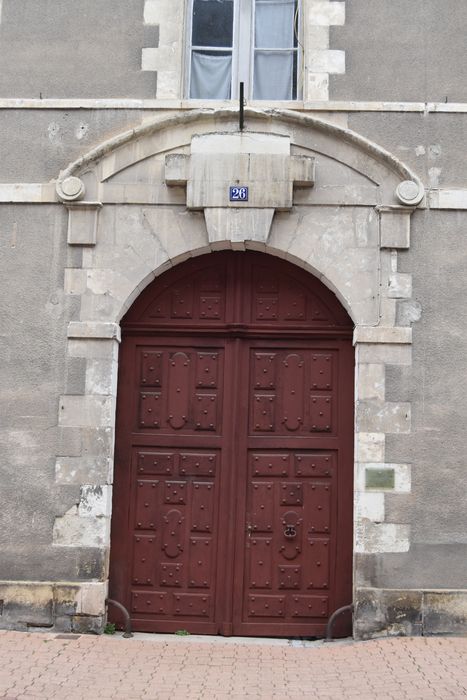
[(38, 665)]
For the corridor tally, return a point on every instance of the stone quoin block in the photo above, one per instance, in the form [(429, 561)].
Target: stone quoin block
[(383, 416), (73, 530), (371, 381), (325, 13), (381, 538), (369, 447), (86, 411), (400, 285), (83, 470), (388, 354), (369, 506)]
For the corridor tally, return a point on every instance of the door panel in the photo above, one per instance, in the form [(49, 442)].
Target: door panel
[(289, 543), (187, 397), (289, 532), (291, 392), (170, 546), (233, 476)]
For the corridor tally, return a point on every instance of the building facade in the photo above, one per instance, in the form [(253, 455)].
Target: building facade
[(233, 328)]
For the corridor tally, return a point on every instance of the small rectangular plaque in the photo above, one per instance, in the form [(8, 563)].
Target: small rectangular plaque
[(379, 478), (238, 193)]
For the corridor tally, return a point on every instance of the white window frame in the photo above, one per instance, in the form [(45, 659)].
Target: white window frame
[(243, 50)]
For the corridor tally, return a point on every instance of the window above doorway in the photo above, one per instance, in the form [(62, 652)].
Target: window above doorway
[(251, 41)]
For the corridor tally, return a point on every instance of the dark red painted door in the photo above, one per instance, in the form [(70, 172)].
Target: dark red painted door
[(233, 478)]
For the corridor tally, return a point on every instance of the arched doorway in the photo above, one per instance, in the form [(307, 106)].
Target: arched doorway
[(233, 489)]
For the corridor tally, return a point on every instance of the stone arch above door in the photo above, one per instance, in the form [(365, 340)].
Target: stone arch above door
[(338, 206), (329, 200)]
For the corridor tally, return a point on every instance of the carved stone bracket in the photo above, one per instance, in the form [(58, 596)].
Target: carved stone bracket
[(395, 226), (82, 222)]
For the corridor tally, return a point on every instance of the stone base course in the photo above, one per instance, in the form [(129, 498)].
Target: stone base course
[(58, 606), (80, 607), (409, 612)]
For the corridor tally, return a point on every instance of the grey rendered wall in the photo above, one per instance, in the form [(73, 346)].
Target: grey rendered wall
[(401, 50), (91, 49), (436, 386), (433, 144), (33, 321), (64, 48), (36, 144)]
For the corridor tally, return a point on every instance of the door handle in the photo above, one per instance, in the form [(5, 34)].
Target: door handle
[(290, 532)]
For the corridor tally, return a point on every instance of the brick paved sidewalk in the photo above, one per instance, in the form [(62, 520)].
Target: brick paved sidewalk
[(45, 666)]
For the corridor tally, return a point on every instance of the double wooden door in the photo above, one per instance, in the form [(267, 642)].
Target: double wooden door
[(233, 487)]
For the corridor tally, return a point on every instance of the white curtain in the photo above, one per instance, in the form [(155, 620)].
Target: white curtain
[(211, 76), (273, 70), (274, 24), (273, 76)]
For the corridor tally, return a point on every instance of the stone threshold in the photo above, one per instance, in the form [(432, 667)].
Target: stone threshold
[(217, 639)]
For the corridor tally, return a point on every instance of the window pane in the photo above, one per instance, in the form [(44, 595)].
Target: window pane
[(274, 24), (212, 23), (274, 75), (211, 75)]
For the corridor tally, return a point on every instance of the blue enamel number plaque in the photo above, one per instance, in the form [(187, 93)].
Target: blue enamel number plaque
[(238, 194)]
